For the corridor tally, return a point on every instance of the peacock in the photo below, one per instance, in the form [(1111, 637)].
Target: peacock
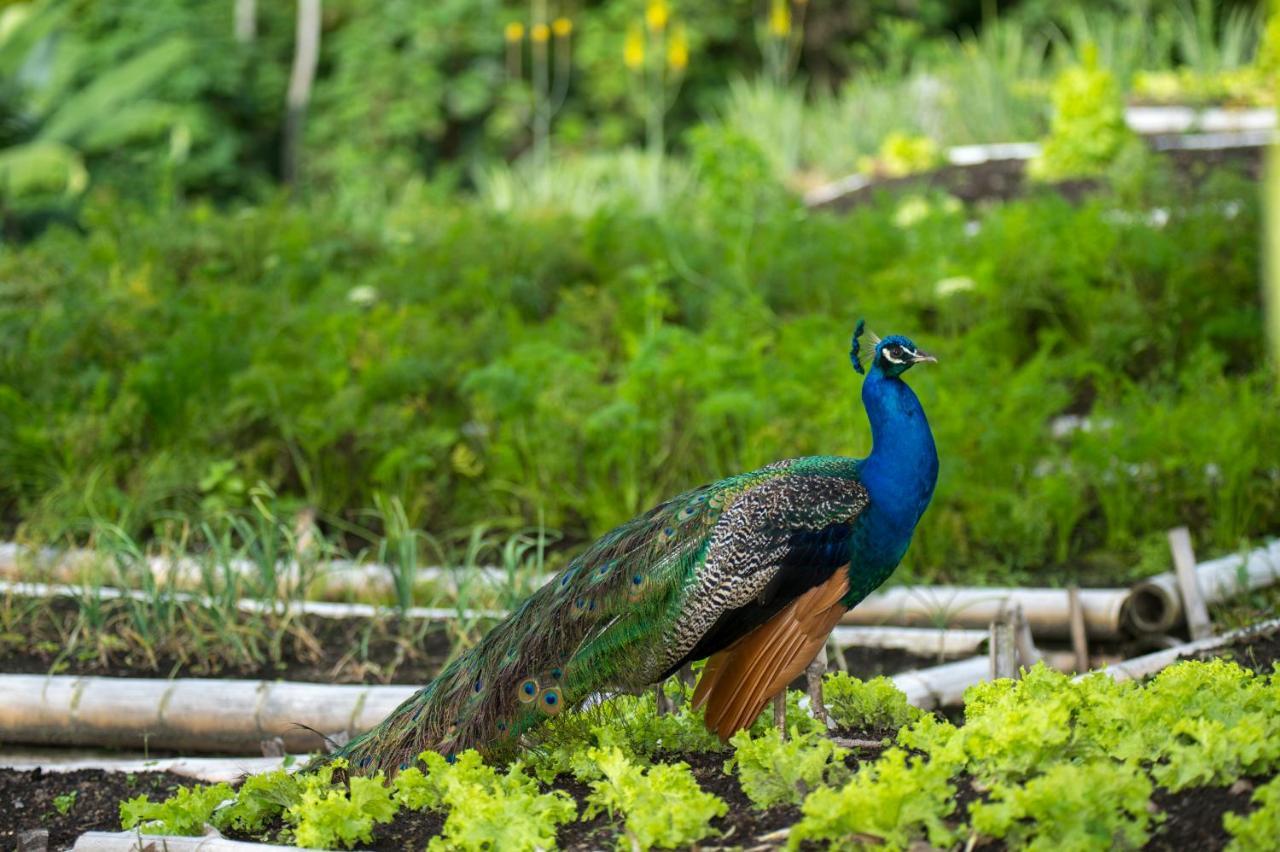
[(752, 572)]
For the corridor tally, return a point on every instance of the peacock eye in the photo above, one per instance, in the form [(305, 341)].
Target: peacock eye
[(895, 353)]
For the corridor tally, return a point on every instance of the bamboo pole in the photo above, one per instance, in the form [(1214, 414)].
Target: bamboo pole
[(210, 770), (306, 56), (1001, 652), (944, 685), (1047, 610), (1138, 668), (1156, 606), (1184, 563), (332, 577), (188, 714), (922, 641), (1079, 636), (246, 21), (236, 716), (323, 609), (131, 841)]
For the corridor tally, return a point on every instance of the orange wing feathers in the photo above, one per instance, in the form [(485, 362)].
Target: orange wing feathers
[(741, 679)]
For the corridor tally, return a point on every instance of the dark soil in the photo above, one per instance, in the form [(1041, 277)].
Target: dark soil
[(1257, 651), (26, 801), (1193, 818), (743, 823), (867, 663), (313, 649)]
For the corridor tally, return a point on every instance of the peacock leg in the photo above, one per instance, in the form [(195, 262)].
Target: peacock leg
[(813, 680), (688, 680), (780, 712), (665, 703)]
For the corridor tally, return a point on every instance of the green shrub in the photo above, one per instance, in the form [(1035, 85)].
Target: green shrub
[(1088, 131), (514, 369)]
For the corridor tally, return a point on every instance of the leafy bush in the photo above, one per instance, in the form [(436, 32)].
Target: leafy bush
[(663, 805), (876, 703), (775, 771), (1088, 130), (586, 369)]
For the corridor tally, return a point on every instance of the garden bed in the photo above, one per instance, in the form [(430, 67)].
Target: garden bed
[(1006, 179), (1191, 817), (32, 800), (313, 649)]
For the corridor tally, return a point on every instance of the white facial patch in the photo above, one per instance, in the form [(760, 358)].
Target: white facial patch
[(888, 356)]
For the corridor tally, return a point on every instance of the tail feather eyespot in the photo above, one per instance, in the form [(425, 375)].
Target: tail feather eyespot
[(550, 701), (527, 691), (636, 587)]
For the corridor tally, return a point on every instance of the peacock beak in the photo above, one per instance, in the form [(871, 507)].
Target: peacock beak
[(923, 358)]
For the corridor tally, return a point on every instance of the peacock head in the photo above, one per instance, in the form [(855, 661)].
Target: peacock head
[(893, 355)]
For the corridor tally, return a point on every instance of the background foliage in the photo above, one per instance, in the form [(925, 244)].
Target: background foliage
[(430, 320)]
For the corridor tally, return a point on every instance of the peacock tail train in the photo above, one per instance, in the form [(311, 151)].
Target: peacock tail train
[(626, 612)]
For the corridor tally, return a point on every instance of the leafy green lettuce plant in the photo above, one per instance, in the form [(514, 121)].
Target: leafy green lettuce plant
[(775, 771), (629, 723), (486, 809), (1257, 831), (889, 804), (186, 812), (329, 816), (260, 799), (663, 805), (874, 703), (1095, 805)]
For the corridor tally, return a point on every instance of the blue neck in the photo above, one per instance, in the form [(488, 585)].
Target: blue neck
[(899, 476)]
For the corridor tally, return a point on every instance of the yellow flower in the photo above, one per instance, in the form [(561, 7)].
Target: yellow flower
[(656, 15), (678, 50), (514, 31), (633, 49), (562, 27), (540, 32), (780, 19)]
